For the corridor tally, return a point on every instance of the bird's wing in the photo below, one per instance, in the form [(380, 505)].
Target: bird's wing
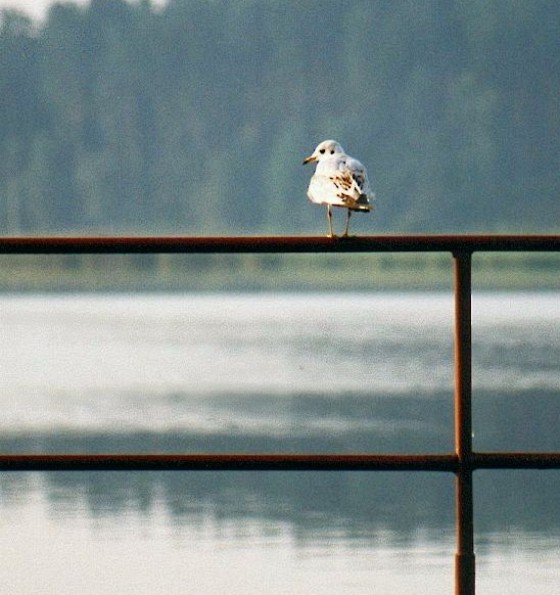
[(359, 174), (341, 181), (352, 184)]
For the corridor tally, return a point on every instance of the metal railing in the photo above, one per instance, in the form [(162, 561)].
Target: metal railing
[(463, 462)]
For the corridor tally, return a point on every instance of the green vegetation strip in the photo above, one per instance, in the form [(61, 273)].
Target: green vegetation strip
[(263, 272)]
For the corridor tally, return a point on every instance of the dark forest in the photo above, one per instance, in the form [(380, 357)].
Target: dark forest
[(194, 119)]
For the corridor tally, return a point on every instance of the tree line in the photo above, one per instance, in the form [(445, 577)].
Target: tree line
[(194, 118)]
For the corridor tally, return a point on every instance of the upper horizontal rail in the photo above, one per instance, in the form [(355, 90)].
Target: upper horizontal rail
[(276, 462), (268, 244)]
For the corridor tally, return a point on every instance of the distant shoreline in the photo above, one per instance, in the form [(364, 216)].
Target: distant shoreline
[(250, 272)]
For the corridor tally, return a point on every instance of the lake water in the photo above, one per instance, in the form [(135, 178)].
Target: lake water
[(273, 373)]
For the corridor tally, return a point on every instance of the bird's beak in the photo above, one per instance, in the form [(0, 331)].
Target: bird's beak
[(309, 159)]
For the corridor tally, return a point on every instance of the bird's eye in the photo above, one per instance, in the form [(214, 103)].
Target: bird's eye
[(322, 151)]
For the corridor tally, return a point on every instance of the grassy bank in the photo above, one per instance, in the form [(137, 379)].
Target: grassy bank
[(272, 272)]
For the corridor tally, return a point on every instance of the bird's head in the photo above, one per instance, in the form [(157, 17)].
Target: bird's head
[(326, 149)]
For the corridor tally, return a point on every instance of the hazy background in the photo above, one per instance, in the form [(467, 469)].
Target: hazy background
[(38, 9), (194, 116)]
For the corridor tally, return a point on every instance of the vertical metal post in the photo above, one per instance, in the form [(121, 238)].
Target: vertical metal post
[(464, 558)]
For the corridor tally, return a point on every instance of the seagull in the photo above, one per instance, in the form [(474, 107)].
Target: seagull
[(339, 181)]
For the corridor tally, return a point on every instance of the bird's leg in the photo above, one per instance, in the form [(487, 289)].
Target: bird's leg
[(329, 219), (347, 223)]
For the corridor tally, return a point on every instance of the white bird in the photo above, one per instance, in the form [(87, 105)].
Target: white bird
[(339, 181)]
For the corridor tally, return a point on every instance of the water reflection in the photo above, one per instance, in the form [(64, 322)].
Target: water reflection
[(356, 504), (302, 373)]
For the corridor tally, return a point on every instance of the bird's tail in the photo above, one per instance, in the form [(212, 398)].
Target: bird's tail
[(357, 204)]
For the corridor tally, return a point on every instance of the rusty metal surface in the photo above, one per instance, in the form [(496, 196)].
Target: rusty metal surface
[(266, 244), (516, 460), (226, 462), (275, 462), (464, 509), (462, 356)]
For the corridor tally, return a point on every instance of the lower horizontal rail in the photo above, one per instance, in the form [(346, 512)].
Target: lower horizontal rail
[(225, 462), (516, 460), (274, 462)]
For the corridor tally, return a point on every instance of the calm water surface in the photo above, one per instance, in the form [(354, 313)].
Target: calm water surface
[(270, 373)]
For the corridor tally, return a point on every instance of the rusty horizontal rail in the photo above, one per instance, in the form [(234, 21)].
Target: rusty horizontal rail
[(226, 462), (262, 244), (516, 460), (275, 462)]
